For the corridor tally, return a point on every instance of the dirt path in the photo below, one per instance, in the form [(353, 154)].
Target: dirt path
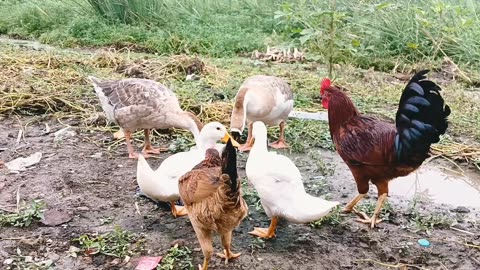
[(93, 190)]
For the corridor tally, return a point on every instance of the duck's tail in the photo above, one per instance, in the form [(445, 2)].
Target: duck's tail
[(144, 172), (310, 208)]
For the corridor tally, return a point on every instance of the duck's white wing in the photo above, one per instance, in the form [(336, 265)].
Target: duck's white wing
[(178, 164), (280, 187)]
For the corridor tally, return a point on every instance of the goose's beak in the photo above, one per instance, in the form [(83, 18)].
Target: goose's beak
[(228, 136)]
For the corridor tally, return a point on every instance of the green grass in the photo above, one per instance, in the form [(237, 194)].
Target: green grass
[(384, 34), (25, 217), (177, 258), (117, 243)]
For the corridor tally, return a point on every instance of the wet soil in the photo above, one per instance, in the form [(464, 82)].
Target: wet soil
[(90, 188)]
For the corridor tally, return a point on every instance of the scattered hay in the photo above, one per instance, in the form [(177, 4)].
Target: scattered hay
[(175, 67), (458, 152), (279, 55)]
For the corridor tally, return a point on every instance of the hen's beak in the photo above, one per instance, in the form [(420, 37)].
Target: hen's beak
[(226, 137)]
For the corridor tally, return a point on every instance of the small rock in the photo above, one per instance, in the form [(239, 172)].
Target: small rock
[(461, 209), (54, 256), (8, 261), (178, 242), (364, 245), (64, 133), (96, 155), (83, 208), (54, 217)]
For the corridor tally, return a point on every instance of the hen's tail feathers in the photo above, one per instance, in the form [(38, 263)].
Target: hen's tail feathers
[(421, 117), (229, 164)]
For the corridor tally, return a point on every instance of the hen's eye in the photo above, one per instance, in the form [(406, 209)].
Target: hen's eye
[(218, 128)]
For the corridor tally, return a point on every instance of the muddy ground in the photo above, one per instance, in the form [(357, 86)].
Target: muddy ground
[(92, 189)]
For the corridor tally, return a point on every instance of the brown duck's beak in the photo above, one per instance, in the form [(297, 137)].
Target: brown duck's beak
[(228, 136)]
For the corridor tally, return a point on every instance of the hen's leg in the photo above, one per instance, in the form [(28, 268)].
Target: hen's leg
[(249, 143), (205, 239), (266, 232), (148, 149), (227, 253), (178, 211), (131, 151), (281, 141)]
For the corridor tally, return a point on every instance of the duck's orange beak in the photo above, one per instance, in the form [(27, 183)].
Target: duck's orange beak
[(228, 136)]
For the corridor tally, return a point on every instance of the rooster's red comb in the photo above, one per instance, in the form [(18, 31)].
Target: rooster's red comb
[(325, 83)]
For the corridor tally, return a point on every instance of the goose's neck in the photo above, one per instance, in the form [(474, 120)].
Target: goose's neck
[(188, 121)]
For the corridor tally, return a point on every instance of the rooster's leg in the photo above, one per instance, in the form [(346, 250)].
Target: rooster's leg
[(148, 149), (374, 219), (227, 252), (350, 207), (281, 141), (249, 143), (178, 211), (131, 151), (266, 232)]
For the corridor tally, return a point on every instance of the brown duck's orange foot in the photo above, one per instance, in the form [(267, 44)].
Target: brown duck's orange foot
[(279, 144), (262, 233), (245, 147), (228, 255)]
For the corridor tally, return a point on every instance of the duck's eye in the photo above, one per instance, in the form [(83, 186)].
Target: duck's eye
[(218, 128)]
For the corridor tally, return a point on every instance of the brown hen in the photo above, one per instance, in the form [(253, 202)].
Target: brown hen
[(211, 193)]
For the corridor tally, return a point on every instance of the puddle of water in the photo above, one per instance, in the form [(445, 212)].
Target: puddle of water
[(439, 187)]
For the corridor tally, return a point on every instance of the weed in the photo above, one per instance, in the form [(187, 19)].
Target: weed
[(334, 218), (256, 244), (251, 196), (25, 217), (117, 243), (368, 207), (177, 258), (419, 222)]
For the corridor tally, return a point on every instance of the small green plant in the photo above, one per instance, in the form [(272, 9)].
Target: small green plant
[(25, 217), (334, 218), (177, 258), (368, 207), (256, 244), (251, 196), (117, 243), (303, 135)]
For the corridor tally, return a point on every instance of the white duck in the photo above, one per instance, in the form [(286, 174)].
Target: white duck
[(142, 104), (162, 184), (261, 98), (279, 185)]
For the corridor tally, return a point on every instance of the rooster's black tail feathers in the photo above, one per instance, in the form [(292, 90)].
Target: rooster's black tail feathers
[(421, 117)]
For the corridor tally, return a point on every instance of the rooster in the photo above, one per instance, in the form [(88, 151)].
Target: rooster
[(378, 151)]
